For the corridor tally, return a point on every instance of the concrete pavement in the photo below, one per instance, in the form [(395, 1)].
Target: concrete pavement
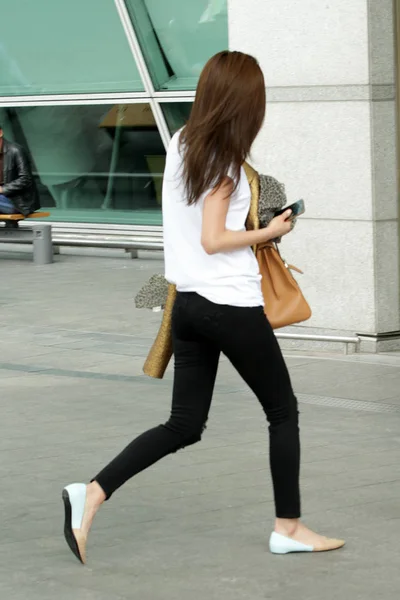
[(195, 525)]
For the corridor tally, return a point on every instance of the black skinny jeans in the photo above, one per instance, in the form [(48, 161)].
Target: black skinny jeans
[(201, 331)]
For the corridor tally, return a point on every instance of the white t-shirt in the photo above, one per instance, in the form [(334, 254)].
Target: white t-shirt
[(231, 278)]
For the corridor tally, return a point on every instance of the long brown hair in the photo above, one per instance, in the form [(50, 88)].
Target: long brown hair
[(226, 117)]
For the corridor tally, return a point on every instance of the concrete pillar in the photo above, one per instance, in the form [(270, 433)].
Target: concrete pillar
[(330, 136)]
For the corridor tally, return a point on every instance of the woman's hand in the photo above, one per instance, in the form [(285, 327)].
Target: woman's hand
[(279, 226)]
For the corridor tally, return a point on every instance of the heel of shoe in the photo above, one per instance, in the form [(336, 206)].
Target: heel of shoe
[(75, 495), (74, 498), (280, 544), (275, 547)]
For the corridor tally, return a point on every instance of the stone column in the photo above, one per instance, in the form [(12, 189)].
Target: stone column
[(330, 136)]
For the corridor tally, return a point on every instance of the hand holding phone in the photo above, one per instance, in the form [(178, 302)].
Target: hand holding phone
[(279, 226), (298, 208)]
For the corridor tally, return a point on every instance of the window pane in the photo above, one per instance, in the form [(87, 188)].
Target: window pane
[(176, 114), (50, 47), (99, 164), (178, 37)]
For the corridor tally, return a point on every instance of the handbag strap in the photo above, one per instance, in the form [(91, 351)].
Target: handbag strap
[(274, 245)]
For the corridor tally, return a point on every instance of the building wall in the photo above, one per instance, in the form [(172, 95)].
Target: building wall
[(330, 136)]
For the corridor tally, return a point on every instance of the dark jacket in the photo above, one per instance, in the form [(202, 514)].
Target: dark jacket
[(18, 182)]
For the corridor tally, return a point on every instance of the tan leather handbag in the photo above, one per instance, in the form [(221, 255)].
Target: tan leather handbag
[(284, 301)]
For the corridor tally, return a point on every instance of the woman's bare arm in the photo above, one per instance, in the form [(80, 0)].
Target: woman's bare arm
[(217, 238)]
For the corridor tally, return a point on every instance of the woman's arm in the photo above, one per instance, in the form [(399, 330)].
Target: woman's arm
[(217, 238)]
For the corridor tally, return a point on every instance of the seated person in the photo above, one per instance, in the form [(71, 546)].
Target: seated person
[(18, 193)]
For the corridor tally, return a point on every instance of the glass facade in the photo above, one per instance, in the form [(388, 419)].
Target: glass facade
[(176, 114), (69, 47), (97, 97), (178, 37), (93, 163)]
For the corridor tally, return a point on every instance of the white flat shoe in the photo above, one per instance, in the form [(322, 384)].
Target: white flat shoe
[(74, 497), (280, 544)]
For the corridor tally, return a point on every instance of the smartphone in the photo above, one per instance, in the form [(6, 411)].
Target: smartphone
[(298, 208)]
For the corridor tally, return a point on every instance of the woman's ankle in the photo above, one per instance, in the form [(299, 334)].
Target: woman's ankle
[(286, 527), (95, 494)]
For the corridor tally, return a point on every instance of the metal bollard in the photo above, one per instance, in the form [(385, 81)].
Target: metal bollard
[(42, 244), (134, 253)]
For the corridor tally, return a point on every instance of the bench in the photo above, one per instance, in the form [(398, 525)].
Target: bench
[(102, 235), (37, 234)]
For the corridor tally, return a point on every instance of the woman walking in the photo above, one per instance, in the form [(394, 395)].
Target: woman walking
[(219, 304)]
